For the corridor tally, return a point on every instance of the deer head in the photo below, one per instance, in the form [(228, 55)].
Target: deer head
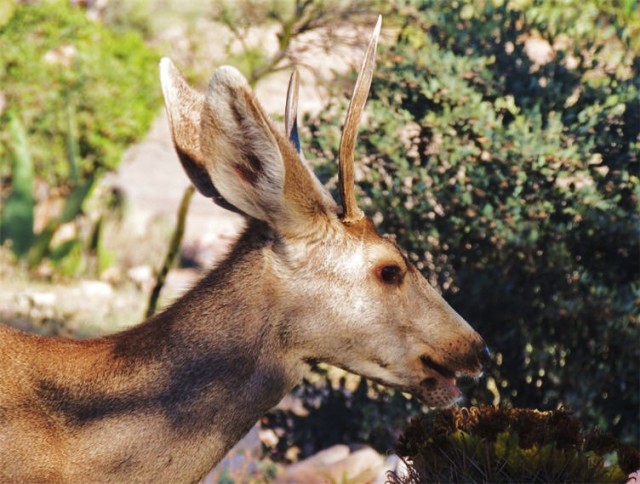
[(342, 293)]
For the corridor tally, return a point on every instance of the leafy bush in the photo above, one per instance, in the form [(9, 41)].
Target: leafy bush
[(497, 444), (512, 179), (82, 93)]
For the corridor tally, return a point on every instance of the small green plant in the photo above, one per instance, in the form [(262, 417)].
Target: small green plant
[(497, 444), (17, 220), (172, 252), (16, 223)]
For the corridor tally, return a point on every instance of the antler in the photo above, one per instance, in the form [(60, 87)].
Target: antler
[(291, 111), (291, 130), (347, 144)]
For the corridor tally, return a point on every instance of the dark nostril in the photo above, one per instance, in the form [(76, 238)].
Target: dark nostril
[(485, 355)]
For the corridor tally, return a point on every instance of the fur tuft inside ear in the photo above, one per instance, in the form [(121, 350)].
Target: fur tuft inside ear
[(239, 145)]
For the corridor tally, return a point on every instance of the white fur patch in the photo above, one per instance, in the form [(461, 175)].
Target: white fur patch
[(354, 262)]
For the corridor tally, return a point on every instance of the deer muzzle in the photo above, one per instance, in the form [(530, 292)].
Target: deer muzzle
[(438, 387)]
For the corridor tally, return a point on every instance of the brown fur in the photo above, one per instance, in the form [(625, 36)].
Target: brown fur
[(171, 386)]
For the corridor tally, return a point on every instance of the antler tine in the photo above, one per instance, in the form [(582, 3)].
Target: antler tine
[(291, 111), (347, 144)]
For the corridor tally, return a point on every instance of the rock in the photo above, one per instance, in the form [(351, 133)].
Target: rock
[(111, 275), (268, 437), (179, 280), (393, 464), (47, 299), (538, 50), (328, 456), (293, 405), (142, 276), (292, 453), (335, 464), (96, 289), (362, 465), (240, 462)]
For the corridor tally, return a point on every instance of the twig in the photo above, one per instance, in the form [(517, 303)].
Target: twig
[(174, 246)]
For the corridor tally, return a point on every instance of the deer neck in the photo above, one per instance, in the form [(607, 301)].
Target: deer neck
[(187, 384)]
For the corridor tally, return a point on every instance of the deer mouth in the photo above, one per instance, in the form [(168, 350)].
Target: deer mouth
[(439, 388), (431, 365)]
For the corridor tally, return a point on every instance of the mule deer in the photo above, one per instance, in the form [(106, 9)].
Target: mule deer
[(305, 282)]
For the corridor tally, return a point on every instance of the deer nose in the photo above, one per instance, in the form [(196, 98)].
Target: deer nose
[(484, 355)]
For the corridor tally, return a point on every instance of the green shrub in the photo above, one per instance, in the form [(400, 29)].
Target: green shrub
[(83, 94), (489, 444), (514, 186)]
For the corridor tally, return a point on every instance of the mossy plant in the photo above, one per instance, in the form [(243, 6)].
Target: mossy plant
[(499, 444)]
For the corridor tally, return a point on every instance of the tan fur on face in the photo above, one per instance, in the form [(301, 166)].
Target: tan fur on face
[(379, 331)]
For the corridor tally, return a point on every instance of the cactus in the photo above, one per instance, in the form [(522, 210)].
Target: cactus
[(16, 222)]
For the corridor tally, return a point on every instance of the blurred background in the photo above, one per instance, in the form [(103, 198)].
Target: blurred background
[(500, 148)]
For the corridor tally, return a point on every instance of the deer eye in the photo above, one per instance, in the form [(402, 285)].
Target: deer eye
[(391, 274)]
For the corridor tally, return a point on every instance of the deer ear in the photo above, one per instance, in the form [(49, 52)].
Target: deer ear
[(233, 154), (240, 149), (224, 141), (184, 108)]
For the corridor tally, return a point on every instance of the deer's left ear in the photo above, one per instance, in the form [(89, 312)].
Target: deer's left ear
[(226, 137), (240, 150)]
